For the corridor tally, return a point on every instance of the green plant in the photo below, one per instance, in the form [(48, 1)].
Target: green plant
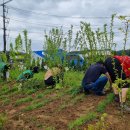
[(100, 125), (3, 119), (82, 120), (103, 104), (33, 84), (36, 105), (41, 95)]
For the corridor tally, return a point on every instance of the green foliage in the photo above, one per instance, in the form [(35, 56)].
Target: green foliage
[(18, 44), (73, 80), (3, 57), (125, 30), (128, 95), (41, 95), (82, 120), (14, 73), (6, 90), (33, 84), (103, 104), (52, 44)]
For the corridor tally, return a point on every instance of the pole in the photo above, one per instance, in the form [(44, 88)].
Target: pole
[(4, 22), (4, 29)]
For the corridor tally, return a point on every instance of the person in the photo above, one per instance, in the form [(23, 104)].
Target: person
[(53, 76), (4, 70), (118, 68), (93, 81), (27, 74)]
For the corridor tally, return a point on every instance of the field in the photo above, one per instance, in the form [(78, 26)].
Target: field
[(35, 107)]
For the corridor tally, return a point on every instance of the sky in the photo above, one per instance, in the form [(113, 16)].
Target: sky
[(39, 15)]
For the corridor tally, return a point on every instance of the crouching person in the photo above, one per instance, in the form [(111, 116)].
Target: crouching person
[(92, 80), (53, 76), (27, 74), (118, 68), (4, 71)]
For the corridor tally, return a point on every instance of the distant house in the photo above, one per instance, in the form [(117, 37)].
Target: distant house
[(38, 55)]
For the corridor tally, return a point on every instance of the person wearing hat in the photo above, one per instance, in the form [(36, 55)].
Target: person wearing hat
[(53, 76)]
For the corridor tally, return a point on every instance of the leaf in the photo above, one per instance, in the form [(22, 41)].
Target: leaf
[(122, 17)]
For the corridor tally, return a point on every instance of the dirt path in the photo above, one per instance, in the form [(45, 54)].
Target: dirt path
[(59, 112), (51, 114)]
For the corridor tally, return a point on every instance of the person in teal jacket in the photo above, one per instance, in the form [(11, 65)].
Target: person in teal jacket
[(4, 69), (27, 74)]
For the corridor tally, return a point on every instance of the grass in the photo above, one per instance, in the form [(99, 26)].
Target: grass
[(103, 104), (6, 101), (3, 119), (82, 120), (23, 100), (36, 105), (71, 102), (6, 90), (41, 95)]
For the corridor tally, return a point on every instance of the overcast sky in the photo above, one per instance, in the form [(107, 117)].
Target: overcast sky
[(39, 15)]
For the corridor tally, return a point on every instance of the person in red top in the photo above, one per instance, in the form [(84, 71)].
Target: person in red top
[(125, 63), (119, 67)]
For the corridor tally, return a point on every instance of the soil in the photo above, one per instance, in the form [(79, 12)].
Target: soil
[(59, 112)]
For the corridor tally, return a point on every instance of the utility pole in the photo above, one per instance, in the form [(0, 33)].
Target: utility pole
[(4, 30), (4, 23)]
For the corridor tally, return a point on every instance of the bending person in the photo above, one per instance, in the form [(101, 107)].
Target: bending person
[(27, 74), (53, 75), (118, 68), (92, 80)]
